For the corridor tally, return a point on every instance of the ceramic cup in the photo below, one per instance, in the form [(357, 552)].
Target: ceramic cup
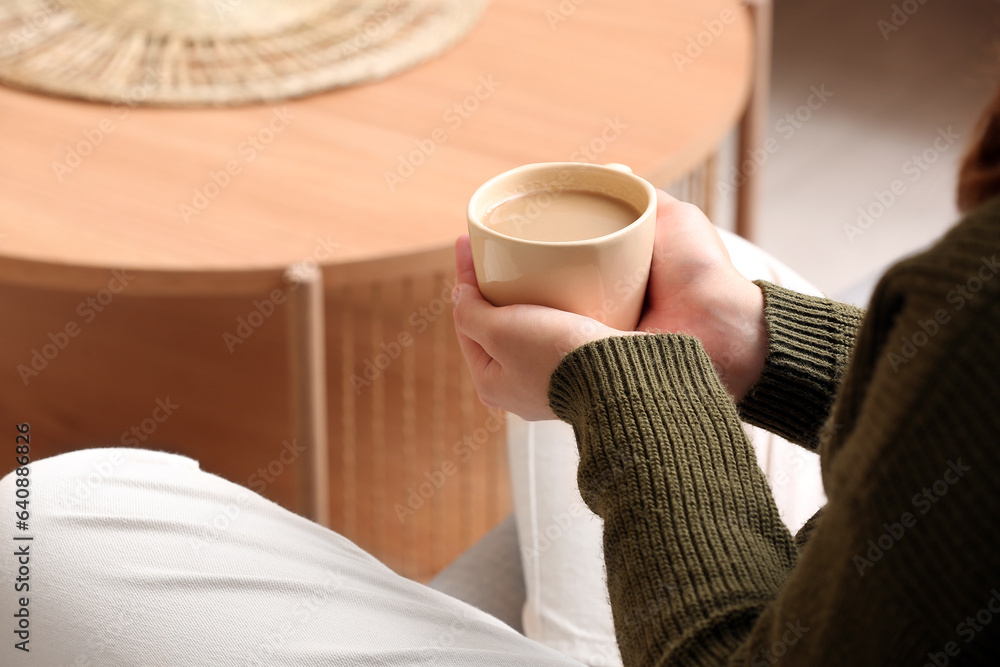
[(602, 277)]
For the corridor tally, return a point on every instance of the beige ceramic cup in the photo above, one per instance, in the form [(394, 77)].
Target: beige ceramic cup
[(603, 278)]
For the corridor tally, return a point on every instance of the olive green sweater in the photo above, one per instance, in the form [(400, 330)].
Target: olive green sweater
[(903, 565)]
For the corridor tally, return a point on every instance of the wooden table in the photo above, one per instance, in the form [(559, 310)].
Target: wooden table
[(371, 184)]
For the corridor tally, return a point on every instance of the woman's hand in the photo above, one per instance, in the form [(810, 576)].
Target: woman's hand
[(695, 289), (512, 351)]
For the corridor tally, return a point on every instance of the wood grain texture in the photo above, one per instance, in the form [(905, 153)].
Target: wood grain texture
[(329, 177)]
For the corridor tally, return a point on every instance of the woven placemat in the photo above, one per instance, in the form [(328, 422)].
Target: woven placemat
[(219, 52)]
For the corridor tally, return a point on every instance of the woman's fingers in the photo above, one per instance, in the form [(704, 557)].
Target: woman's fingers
[(465, 275), (473, 317), (481, 365), (512, 351)]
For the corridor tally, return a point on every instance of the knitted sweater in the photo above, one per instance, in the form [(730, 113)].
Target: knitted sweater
[(902, 568)]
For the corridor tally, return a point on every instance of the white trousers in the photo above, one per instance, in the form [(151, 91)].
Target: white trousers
[(138, 558)]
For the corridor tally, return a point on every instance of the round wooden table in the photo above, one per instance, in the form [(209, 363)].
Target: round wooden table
[(368, 183)]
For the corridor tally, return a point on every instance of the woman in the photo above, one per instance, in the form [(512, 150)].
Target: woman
[(902, 403), (129, 557)]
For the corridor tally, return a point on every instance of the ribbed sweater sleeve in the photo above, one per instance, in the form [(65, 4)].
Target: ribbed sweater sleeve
[(809, 346), (694, 546), (902, 567)]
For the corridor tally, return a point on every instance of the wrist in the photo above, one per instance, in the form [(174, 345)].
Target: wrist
[(739, 345)]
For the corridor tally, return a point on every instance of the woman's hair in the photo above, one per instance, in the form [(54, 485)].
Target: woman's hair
[(979, 177)]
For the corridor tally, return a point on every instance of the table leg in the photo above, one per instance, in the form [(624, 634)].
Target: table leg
[(307, 342), (751, 130)]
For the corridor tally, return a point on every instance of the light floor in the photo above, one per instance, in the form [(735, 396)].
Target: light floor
[(891, 96)]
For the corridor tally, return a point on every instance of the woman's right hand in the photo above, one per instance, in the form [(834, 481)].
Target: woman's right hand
[(695, 289)]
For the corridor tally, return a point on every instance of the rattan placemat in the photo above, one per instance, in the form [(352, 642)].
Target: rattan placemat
[(219, 52)]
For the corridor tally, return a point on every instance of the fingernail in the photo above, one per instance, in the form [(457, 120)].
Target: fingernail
[(456, 293)]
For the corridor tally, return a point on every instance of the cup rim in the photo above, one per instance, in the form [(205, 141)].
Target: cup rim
[(580, 166)]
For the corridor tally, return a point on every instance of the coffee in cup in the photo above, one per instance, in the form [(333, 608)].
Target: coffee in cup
[(568, 215), (573, 236)]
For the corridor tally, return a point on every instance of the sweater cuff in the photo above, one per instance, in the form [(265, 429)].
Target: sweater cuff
[(810, 340), (609, 374)]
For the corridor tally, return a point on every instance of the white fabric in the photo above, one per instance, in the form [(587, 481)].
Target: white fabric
[(793, 472), (141, 559), (567, 604)]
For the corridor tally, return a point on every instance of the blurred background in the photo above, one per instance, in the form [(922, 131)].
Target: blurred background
[(892, 91)]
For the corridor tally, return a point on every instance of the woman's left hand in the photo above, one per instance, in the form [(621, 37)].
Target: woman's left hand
[(512, 351)]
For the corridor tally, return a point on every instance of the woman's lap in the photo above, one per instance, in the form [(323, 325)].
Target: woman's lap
[(140, 558)]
